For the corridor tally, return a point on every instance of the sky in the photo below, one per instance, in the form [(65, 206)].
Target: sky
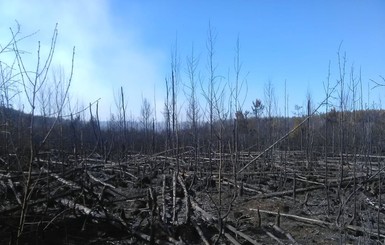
[(129, 44)]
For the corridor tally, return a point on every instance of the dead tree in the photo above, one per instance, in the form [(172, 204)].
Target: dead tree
[(32, 83), (193, 112)]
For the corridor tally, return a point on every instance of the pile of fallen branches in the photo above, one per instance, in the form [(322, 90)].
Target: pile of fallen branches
[(144, 199), (91, 200)]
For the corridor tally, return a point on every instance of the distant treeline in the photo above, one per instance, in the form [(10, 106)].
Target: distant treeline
[(360, 131)]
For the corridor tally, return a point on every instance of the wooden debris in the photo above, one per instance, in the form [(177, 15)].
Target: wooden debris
[(200, 232), (17, 194), (243, 235), (287, 234), (165, 210)]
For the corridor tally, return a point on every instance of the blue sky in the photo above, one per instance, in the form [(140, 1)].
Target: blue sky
[(129, 43)]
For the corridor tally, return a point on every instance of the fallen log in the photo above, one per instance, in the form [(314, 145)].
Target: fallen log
[(244, 187), (69, 183), (231, 238), (273, 237), (100, 181), (36, 202), (187, 198), (200, 232), (17, 194), (211, 218), (284, 193), (329, 225), (298, 218), (285, 233), (83, 209), (243, 235), (207, 216), (290, 192), (96, 215)]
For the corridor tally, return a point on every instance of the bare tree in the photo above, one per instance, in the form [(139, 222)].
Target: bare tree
[(8, 84), (146, 113), (193, 112), (239, 122), (257, 109), (172, 114), (9, 77), (269, 93), (342, 104), (309, 133), (219, 109), (121, 105), (327, 92), (167, 115), (353, 86), (32, 83), (212, 88), (377, 83), (240, 82)]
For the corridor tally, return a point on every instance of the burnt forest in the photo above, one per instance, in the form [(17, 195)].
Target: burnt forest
[(212, 170)]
